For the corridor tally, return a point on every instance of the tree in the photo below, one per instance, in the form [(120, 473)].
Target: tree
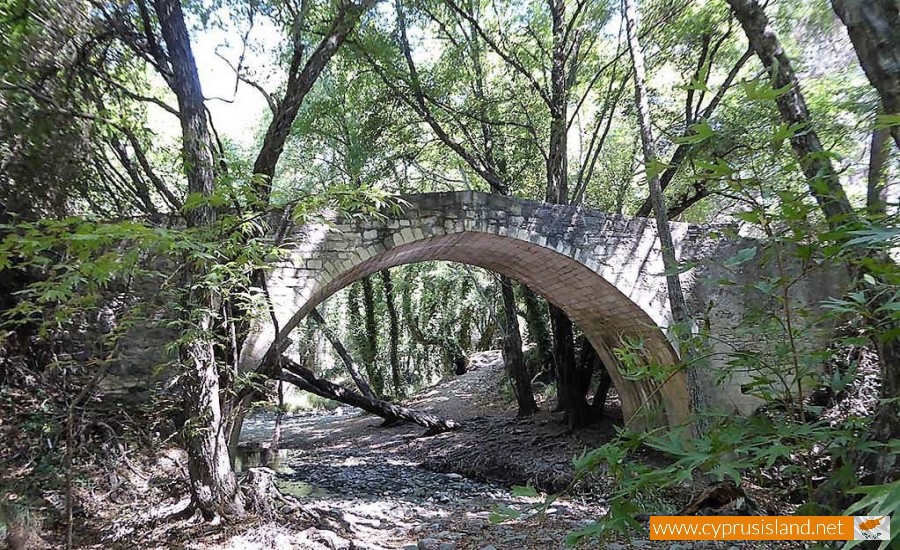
[(213, 485), (667, 247), (479, 156), (393, 332), (214, 488), (874, 28), (300, 81), (513, 358), (821, 177), (826, 187)]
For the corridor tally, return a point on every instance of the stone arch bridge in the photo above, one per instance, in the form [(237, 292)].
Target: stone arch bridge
[(605, 271)]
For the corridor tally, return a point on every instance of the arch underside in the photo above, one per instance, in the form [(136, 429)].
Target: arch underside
[(600, 310)]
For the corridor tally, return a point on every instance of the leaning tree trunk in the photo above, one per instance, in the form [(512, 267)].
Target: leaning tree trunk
[(345, 356), (306, 380), (302, 75), (874, 29), (214, 489), (667, 247), (513, 357), (820, 174)]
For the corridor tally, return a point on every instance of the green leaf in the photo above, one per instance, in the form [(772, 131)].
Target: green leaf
[(752, 216), (887, 121), (676, 270), (759, 90), (502, 513), (655, 168), (524, 491), (744, 255), (783, 132), (701, 132), (774, 452)]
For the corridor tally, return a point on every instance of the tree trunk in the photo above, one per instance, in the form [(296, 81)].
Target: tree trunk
[(598, 405), (874, 29), (343, 354), (667, 247), (885, 465), (299, 83), (557, 192), (214, 489), (820, 174), (590, 363), (370, 338), (305, 379), (570, 381), (557, 159), (513, 358), (876, 196), (393, 333), (537, 330), (486, 336)]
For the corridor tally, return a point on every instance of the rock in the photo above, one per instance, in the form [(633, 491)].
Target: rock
[(429, 544), (454, 476), (330, 539), (488, 547)]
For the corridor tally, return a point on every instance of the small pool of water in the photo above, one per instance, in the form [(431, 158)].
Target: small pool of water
[(251, 458), (298, 489)]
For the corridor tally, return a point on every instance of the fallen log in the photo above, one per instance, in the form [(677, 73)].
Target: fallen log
[(306, 380)]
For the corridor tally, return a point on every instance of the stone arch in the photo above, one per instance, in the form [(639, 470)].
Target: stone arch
[(598, 268)]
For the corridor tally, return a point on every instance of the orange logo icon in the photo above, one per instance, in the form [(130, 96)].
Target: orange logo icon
[(870, 524)]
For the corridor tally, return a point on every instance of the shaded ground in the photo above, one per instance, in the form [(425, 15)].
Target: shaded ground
[(492, 446), (379, 487)]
